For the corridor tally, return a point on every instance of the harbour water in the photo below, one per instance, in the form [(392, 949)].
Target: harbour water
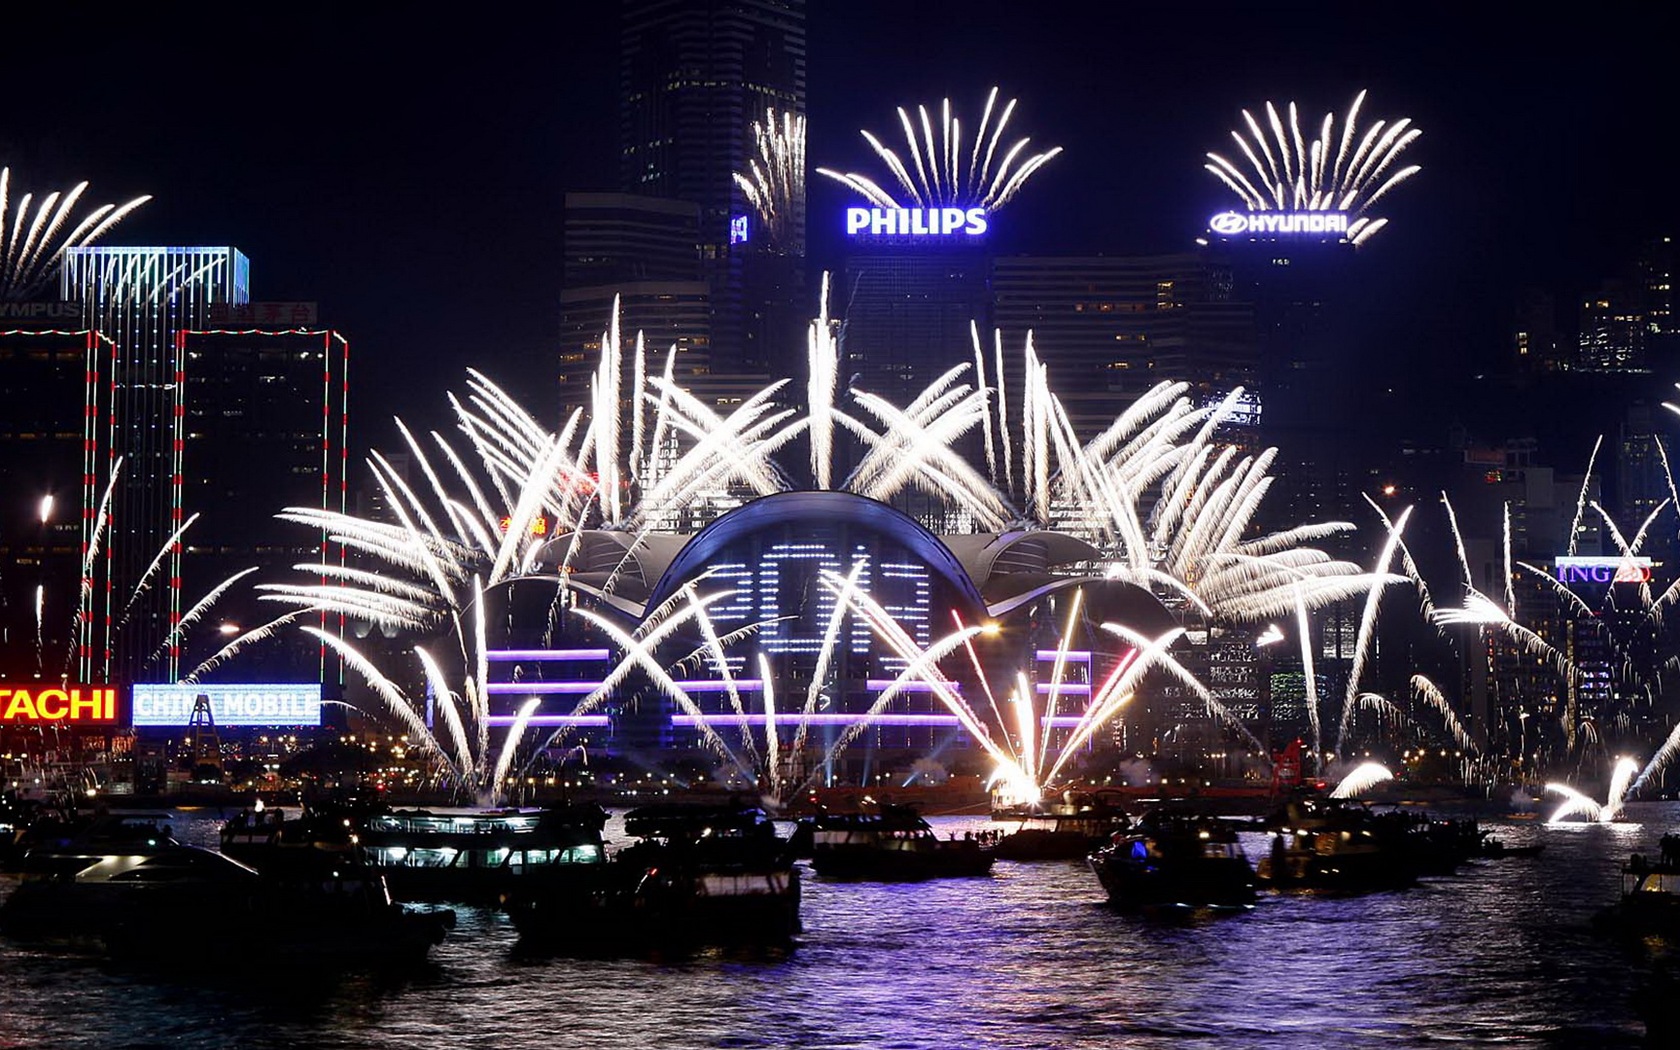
[(1500, 954)]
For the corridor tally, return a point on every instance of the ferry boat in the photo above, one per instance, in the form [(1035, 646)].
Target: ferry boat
[(699, 875), (1067, 830), (1338, 846), (889, 844), (126, 886), (471, 855), (1177, 862), (1649, 906)]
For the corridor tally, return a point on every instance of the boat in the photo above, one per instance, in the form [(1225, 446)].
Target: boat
[(1649, 907), (1176, 862), (890, 843), (276, 842), (1069, 830), (471, 855), (698, 875), (1339, 846), (127, 887)]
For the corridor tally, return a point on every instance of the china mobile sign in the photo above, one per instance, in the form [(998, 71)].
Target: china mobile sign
[(916, 222), (230, 705), (1279, 223), (72, 704), (1603, 570)]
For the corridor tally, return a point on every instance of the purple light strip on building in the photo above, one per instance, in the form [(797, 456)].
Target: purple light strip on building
[(507, 655), (597, 721), (905, 720), (1083, 688), (1074, 656), (879, 684), (540, 688)]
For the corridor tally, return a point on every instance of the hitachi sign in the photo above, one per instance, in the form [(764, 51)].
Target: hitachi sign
[(915, 222), (72, 703), (1241, 224)]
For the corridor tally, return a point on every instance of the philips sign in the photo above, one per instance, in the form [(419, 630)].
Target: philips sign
[(1603, 570), (915, 222), (1272, 223), (230, 705)]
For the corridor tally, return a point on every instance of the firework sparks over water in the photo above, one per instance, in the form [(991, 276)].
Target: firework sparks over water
[(946, 170), (33, 243), (463, 530), (1281, 169)]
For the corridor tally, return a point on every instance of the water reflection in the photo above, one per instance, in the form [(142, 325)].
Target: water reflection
[(1031, 956)]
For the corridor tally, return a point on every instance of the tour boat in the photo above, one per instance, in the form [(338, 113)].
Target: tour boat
[(128, 887), (698, 875), (1175, 862), (888, 844), (471, 855)]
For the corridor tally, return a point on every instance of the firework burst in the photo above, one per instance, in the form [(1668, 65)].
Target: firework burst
[(1343, 171), (33, 243), (944, 172), (774, 182)]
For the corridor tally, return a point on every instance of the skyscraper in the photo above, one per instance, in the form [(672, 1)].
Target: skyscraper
[(694, 75), (140, 298)]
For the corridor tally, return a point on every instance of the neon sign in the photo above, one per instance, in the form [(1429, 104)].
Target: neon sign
[(1603, 570), (1239, 224), (538, 526), (915, 222), (230, 705), (738, 229), (70, 703)]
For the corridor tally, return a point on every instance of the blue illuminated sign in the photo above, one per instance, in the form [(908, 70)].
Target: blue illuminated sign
[(738, 230), (230, 705), (1276, 223), (915, 222)]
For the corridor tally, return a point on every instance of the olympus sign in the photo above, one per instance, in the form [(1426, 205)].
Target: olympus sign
[(915, 222), (1238, 224)]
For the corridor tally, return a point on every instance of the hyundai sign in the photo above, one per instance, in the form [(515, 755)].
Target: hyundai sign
[(916, 222), (1603, 570), (1279, 223), (230, 705)]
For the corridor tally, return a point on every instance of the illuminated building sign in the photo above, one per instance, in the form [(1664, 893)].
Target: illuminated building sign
[(538, 525), (1603, 570), (39, 702), (1278, 223), (230, 705), (738, 229), (915, 222)]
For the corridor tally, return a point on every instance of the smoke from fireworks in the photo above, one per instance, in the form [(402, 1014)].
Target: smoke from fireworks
[(1345, 171), (942, 170)]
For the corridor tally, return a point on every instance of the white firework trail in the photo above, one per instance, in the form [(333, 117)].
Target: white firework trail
[(1576, 804), (1361, 779), (774, 182), (32, 249), (1367, 628), (1430, 693), (1286, 171), (936, 176), (1581, 497)]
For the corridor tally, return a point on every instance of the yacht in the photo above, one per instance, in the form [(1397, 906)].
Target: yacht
[(1176, 862), (890, 843)]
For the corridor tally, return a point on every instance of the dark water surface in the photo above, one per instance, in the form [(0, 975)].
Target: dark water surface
[(1500, 954)]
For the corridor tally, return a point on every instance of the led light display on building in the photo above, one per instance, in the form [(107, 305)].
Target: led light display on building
[(76, 704), (916, 222), (230, 705), (1603, 570), (1279, 223)]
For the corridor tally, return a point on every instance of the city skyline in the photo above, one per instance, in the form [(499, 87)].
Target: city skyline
[(418, 196)]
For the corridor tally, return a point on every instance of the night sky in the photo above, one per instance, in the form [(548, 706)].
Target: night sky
[(407, 170)]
